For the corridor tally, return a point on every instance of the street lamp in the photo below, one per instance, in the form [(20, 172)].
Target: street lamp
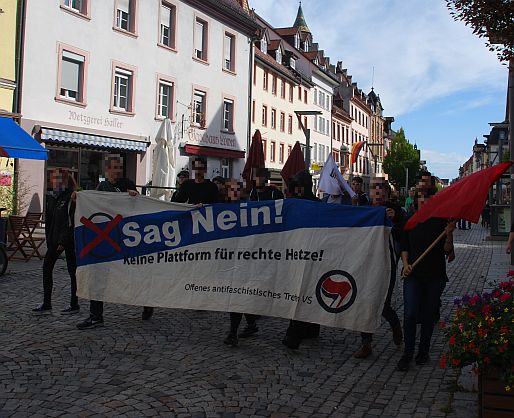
[(307, 133)]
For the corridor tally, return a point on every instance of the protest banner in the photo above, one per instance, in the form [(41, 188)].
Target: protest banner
[(299, 259)]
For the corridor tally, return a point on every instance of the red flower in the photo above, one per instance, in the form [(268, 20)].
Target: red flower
[(455, 361), (451, 341), (486, 309), (442, 361), (505, 296)]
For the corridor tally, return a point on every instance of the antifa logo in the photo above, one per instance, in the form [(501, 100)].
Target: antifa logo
[(333, 173), (98, 242), (336, 291)]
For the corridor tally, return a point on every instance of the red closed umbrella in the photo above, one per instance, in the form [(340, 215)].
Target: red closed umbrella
[(254, 158), (295, 163)]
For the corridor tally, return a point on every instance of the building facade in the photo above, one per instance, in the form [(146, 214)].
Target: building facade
[(8, 20), (110, 71)]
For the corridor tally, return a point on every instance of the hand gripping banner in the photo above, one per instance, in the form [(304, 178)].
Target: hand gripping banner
[(310, 261)]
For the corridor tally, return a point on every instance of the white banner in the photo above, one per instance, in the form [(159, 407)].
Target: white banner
[(310, 261)]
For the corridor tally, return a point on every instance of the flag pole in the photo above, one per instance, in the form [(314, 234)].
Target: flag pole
[(418, 260)]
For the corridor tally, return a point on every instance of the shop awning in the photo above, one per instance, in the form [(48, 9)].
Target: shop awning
[(16, 143), (213, 152), (56, 135)]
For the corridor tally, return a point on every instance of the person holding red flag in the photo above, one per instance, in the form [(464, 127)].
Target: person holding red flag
[(425, 278)]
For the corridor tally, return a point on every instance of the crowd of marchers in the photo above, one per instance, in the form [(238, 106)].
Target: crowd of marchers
[(423, 284)]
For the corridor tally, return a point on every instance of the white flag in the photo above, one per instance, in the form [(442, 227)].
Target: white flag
[(331, 180)]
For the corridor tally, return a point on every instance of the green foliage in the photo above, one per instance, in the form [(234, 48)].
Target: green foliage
[(402, 154), (489, 19)]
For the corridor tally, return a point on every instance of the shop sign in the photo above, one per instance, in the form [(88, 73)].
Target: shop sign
[(94, 120), (208, 139)]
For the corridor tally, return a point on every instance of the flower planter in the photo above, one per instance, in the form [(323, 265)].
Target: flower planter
[(494, 400)]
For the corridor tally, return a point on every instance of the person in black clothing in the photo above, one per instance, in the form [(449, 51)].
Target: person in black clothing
[(59, 211), (114, 183), (300, 187), (379, 193), (199, 190), (233, 194), (181, 178), (261, 191), (360, 198), (423, 283)]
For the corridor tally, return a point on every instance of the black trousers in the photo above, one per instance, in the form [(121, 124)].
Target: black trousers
[(48, 268), (235, 320), (96, 309)]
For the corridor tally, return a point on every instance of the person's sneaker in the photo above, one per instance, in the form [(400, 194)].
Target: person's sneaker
[(364, 351), (422, 358), (404, 363), (397, 334), (70, 310), (147, 313), (249, 331), (42, 310), (90, 323), (231, 340)]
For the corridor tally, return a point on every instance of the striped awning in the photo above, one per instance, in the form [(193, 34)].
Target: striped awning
[(56, 135)]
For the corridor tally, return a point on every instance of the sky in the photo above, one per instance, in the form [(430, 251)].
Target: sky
[(437, 79)]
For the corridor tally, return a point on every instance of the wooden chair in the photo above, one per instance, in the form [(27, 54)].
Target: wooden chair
[(21, 237)]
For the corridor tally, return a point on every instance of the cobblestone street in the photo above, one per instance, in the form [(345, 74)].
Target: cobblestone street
[(177, 365)]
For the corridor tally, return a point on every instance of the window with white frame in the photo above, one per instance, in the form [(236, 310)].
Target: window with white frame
[(272, 151), (123, 90), (278, 56), (264, 44), (282, 122), (228, 115), (165, 99), (297, 41), (200, 39), (274, 84), (72, 76), (229, 52), (281, 153), (315, 123), (306, 46), (79, 6), (199, 106), (125, 11), (273, 119), (291, 93), (292, 63), (264, 115), (265, 76), (290, 125), (315, 96), (225, 168), (167, 24), (315, 152), (282, 88)]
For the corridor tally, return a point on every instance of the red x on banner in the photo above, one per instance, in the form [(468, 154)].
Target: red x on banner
[(103, 234)]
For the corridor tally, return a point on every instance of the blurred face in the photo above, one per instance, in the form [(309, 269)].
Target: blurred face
[(377, 191), (199, 169), (423, 189), (356, 186), (219, 185), (233, 189), (114, 169), (182, 179), (260, 181), (57, 180)]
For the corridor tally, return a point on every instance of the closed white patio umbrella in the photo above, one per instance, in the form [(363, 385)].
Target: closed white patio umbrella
[(164, 161)]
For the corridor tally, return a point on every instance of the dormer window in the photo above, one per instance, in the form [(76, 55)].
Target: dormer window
[(316, 61), (278, 56), (306, 46), (297, 41), (292, 63), (264, 45)]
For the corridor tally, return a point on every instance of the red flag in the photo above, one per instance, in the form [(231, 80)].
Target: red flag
[(254, 158), (464, 199), (356, 148), (295, 163)]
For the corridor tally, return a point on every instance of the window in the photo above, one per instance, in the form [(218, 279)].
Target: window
[(199, 107), (290, 125), (254, 74), (278, 56), (125, 15), (76, 6), (265, 80), (289, 149), (265, 148), (273, 119), (229, 52), (72, 71), (315, 152), (167, 25), (305, 96), (299, 93), (264, 44), (281, 153), (291, 94), (316, 123), (316, 96), (165, 98), (123, 81), (282, 88), (274, 85), (282, 122), (253, 111), (228, 115), (305, 122), (272, 150), (292, 63), (297, 41), (264, 115), (200, 40)]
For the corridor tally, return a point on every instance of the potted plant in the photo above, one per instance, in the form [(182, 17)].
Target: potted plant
[(482, 334)]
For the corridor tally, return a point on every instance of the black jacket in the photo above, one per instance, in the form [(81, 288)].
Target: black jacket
[(59, 219), (268, 193)]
